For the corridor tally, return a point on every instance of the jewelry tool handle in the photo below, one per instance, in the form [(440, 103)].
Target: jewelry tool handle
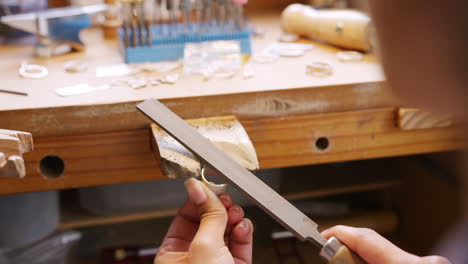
[(334, 252)]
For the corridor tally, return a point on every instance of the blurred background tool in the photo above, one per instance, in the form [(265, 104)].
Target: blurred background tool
[(57, 29), (178, 22), (199, 15), (344, 28), (185, 7), (207, 13), (111, 24)]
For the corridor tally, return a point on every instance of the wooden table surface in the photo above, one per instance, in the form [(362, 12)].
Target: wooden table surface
[(103, 139), (288, 73), (287, 76)]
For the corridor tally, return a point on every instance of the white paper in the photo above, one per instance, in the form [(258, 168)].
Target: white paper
[(80, 89)]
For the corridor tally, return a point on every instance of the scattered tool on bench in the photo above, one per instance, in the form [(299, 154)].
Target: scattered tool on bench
[(13, 92), (57, 29), (261, 194)]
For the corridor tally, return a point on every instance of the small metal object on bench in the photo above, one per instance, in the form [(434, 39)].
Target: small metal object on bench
[(12, 145)]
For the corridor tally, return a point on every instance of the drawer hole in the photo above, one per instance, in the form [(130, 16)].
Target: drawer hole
[(322, 143), (51, 166)]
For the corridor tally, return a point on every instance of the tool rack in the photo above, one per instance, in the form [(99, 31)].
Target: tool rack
[(168, 41)]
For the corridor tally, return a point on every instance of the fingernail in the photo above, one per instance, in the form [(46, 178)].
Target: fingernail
[(238, 211), (195, 191), (243, 224), (225, 199)]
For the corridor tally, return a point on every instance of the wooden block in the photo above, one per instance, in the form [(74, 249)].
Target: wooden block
[(25, 138), (226, 132), (411, 119), (12, 145)]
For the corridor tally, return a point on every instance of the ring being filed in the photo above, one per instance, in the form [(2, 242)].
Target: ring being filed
[(33, 71), (319, 69), (216, 188)]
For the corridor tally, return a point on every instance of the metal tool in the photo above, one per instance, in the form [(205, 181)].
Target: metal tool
[(185, 7), (198, 14), (133, 22), (137, 38), (239, 16), (148, 32), (230, 13), (222, 13), (13, 92), (124, 13), (125, 34), (171, 8), (156, 14), (256, 190), (53, 38), (141, 23), (208, 13), (216, 12), (148, 20)]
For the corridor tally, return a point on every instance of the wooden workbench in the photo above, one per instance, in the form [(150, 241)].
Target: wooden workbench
[(103, 139)]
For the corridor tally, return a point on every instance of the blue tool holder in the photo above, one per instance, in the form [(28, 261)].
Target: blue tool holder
[(168, 41)]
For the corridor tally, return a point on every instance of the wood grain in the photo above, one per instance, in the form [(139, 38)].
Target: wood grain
[(352, 136), (89, 119), (412, 118), (126, 156)]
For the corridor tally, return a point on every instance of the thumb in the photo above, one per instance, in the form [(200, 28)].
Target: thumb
[(213, 215)]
